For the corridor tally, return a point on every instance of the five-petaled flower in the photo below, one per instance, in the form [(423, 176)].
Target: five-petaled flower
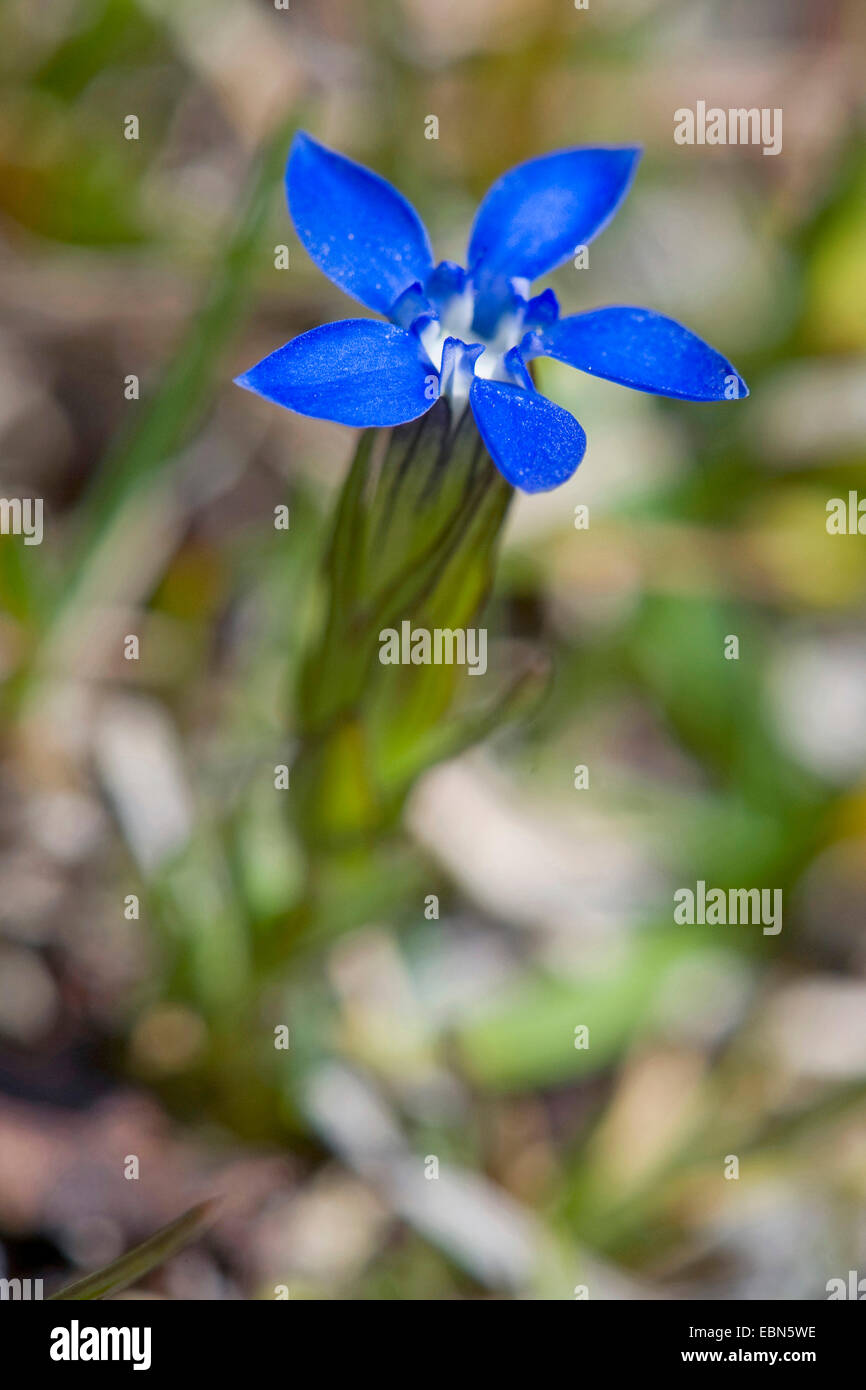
[(469, 334)]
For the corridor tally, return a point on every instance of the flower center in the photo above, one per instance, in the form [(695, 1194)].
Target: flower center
[(483, 326)]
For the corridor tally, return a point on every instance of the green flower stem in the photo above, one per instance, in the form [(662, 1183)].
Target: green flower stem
[(414, 538)]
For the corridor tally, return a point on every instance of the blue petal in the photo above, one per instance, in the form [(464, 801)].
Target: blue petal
[(357, 372), (495, 297), (516, 366), (412, 309), (446, 280), (358, 229), (535, 444), (535, 216), (638, 348), (542, 311)]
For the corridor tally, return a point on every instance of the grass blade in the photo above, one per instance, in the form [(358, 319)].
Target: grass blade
[(136, 1263)]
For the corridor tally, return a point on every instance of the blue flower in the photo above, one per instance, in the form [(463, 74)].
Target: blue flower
[(469, 334)]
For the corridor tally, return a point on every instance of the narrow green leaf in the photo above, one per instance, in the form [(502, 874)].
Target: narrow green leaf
[(148, 453), (136, 1263)]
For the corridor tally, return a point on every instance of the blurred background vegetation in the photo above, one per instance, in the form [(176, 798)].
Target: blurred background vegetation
[(414, 1037)]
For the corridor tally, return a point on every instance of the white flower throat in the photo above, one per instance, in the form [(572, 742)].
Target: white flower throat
[(456, 321)]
